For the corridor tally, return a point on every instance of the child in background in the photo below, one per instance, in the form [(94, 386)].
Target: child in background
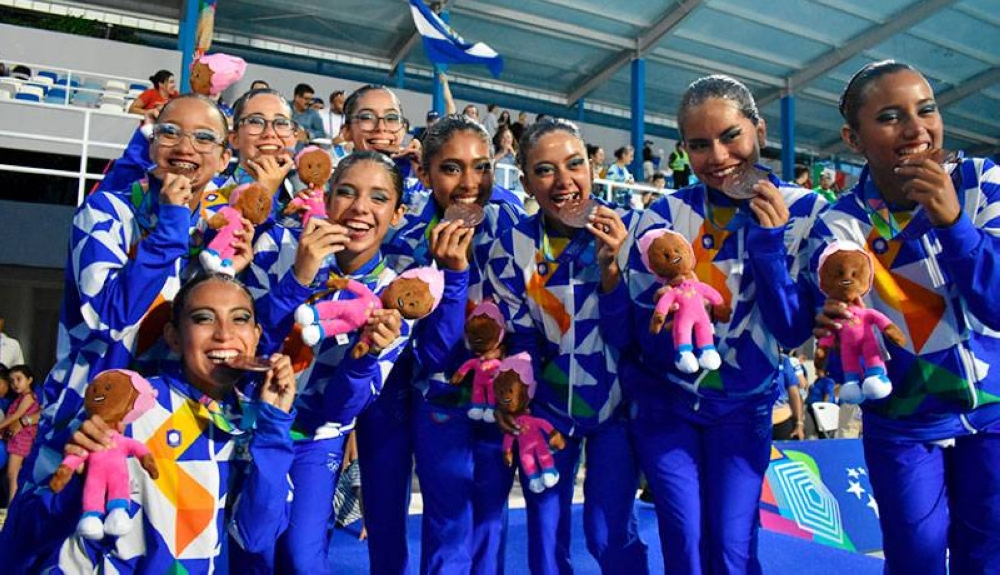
[(21, 422), (4, 404)]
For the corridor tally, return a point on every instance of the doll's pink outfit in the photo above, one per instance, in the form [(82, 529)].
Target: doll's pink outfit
[(690, 315), (483, 395), (533, 451), (313, 202), (107, 472)]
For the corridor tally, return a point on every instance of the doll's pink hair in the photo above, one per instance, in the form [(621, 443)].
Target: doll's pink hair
[(234, 195), (490, 310), (647, 240), (520, 363), (147, 395), (434, 279), (847, 246), (226, 70), (309, 150)]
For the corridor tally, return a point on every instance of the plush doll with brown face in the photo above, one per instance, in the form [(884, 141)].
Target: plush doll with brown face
[(315, 168), (846, 273), (484, 330), (213, 73), (117, 396), (415, 294), (514, 386), (670, 258), (250, 201)]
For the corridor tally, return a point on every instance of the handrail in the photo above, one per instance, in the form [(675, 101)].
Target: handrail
[(84, 142)]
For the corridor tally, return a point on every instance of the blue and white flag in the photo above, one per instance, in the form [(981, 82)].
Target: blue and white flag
[(445, 46)]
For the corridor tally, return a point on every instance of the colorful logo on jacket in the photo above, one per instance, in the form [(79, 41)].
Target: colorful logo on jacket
[(823, 496), (705, 252)]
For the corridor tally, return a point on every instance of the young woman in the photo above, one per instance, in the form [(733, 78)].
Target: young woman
[(197, 437), (463, 479), (556, 301), (703, 439), (932, 446), (129, 252), (164, 88), (289, 267), (263, 139)]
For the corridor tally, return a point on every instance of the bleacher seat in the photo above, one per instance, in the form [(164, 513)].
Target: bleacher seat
[(30, 93), (7, 91), (16, 83), (57, 95), (64, 81), (43, 81), (827, 417), (134, 93), (137, 86), (47, 74), (115, 86)]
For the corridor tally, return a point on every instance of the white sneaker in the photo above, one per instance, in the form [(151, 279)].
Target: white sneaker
[(91, 527), (536, 485), (311, 335), (476, 413), (118, 523), (876, 387), (305, 315), (550, 478), (488, 416), (687, 362), (710, 359)]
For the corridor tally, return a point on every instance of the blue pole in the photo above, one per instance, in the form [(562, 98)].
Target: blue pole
[(185, 42), (401, 75), (438, 103), (788, 136), (638, 114), (580, 111)]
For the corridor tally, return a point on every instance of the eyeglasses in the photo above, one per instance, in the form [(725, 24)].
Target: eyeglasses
[(170, 135), (369, 120), (257, 125)]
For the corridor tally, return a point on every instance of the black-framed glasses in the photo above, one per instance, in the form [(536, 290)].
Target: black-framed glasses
[(257, 125), (170, 136), (369, 120)]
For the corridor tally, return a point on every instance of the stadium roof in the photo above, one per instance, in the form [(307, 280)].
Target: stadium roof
[(559, 51)]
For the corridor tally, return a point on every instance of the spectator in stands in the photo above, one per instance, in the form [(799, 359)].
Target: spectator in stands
[(504, 120), (705, 448), (10, 348), (333, 118), (802, 176), (519, 126), (3, 70), (659, 181), (823, 389), (618, 171), (309, 122), (932, 446), (650, 160), (504, 146), (680, 164), (164, 88), (259, 85), (471, 111), (548, 277), (826, 187), (492, 120), (595, 155)]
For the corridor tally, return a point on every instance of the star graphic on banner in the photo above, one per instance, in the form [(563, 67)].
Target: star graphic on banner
[(873, 505), (856, 489), (853, 473), (861, 470)]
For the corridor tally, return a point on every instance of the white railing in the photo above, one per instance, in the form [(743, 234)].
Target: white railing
[(83, 143), (92, 83)]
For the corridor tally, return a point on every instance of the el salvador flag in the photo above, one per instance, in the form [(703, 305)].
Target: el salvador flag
[(444, 46)]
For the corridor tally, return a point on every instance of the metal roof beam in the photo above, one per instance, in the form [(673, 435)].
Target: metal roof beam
[(547, 26), (643, 44), (968, 87), (875, 35)]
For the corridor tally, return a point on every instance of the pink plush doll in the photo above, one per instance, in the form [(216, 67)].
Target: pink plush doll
[(670, 258), (846, 273), (116, 395), (415, 294), (250, 201), (213, 73), (315, 167), (515, 386), (483, 336)]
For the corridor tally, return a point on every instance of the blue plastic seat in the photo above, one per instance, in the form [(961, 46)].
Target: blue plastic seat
[(27, 97), (48, 74)]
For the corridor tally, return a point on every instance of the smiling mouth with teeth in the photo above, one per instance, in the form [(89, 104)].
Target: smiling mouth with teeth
[(99, 398)]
